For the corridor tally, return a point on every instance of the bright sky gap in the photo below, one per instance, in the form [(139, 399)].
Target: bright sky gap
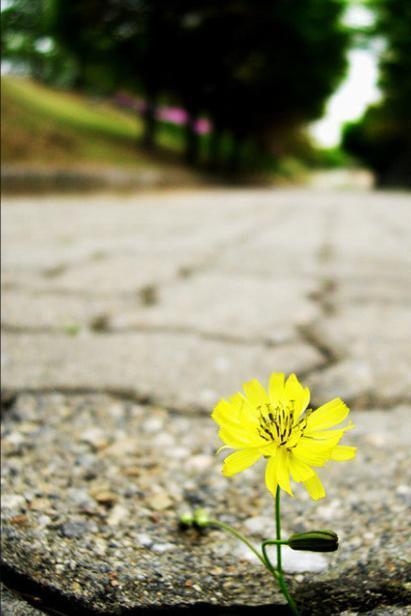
[(357, 91)]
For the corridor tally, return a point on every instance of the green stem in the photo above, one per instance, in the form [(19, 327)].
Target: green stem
[(264, 550), (278, 529), (280, 578), (268, 562), (263, 558), (239, 536)]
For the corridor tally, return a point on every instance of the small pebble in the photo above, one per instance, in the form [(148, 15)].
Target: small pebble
[(159, 502)]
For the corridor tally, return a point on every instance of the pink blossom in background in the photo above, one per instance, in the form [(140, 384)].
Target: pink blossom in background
[(173, 115), (203, 126)]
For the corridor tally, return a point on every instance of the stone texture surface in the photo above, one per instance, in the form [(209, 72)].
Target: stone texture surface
[(377, 337), (52, 311), (92, 489), (230, 307), (124, 319), (12, 604)]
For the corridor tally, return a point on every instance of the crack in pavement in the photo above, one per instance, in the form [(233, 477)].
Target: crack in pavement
[(152, 329), (10, 396)]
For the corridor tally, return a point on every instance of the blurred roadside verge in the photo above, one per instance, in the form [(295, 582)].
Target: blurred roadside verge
[(54, 141), (18, 180)]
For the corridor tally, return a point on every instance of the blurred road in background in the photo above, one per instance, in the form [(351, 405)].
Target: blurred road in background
[(179, 297)]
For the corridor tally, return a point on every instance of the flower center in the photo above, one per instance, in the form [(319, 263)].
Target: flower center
[(276, 423)]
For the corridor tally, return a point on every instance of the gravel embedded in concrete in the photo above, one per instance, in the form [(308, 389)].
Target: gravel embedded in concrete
[(93, 488), (13, 604)]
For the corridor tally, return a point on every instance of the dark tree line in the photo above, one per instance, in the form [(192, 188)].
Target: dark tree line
[(259, 69), (382, 139)]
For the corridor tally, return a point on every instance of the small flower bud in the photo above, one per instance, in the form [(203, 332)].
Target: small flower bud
[(186, 519), (201, 518), (314, 541)]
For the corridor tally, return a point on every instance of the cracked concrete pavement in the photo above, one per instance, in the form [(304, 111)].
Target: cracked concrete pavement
[(131, 308)]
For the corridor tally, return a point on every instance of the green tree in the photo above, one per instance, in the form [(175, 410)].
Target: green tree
[(258, 68), (292, 61), (23, 35), (382, 139), (82, 30)]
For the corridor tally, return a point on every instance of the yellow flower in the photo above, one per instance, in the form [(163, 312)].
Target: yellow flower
[(279, 426)]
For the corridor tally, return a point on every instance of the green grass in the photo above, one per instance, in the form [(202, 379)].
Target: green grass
[(42, 126), (72, 110), (45, 126)]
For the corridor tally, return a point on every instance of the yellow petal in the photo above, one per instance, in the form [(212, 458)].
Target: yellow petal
[(237, 411), (282, 470), (237, 401), (314, 487), (324, 435), (225, 413), (239, 439), (243, 409), (271, 476), (324, 442), (305, 400), (329, 414), (269, 450), (343, 452), (276, 387), (237, 431), (314, 453), (295, 391), (255, 393), (299, 470), (240, 460)]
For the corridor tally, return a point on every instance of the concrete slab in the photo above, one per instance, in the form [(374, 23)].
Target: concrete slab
[(182, 371), (229, 306), (376, 337)]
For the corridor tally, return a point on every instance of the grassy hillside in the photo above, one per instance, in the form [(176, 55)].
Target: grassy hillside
[(45, 126)]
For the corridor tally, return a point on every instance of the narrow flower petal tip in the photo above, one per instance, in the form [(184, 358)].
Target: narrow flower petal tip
[(277, 424)]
